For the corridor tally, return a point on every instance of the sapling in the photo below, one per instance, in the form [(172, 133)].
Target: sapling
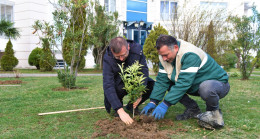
[(133, 80)]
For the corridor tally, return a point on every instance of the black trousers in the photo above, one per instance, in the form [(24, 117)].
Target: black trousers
[(121, 93)]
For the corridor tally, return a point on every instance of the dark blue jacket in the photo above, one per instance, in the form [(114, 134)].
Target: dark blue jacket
[(112, 82)]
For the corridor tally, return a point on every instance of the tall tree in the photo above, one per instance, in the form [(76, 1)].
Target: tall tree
[(9, 61), (247, 37), (211, 48), (149, 50), (65, 20), (104, 27), (77, 22)]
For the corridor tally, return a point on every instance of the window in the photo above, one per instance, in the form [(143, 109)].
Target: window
[(214, 8), (136, 10), (168, 10), (246, 8), (110, 5), (6, 12)]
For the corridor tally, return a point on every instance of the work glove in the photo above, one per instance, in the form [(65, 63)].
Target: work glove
[(160, 111), (148, 107)]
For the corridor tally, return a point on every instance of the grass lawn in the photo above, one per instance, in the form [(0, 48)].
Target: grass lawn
[(19, 107)]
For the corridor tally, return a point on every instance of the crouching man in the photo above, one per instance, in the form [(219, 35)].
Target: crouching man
[(129, 52), (187, 70)]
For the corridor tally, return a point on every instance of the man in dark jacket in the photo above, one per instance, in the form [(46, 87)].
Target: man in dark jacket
[(129, 52)]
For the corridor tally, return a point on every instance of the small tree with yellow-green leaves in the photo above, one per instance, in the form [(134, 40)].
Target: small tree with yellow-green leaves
[(133, 80)]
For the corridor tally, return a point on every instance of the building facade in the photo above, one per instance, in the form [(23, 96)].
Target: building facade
[(138, 18)]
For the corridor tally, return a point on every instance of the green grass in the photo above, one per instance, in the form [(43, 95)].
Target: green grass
[(84, 71), (19, 107)]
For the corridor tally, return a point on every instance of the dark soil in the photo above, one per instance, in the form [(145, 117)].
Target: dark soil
[(11, 82), (143, 128), (67, 89)]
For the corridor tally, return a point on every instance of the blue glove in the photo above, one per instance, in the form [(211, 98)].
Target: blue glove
[(148, 107), (160, 111)]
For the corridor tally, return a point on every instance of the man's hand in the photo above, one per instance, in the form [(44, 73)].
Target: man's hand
[(160, 111), (135, 104), (124, 116), (148, 107)]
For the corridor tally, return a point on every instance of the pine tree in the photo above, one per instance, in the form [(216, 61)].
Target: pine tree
[(47, 61), (67, 49), (211, 47), (149, 50), (8, 60)]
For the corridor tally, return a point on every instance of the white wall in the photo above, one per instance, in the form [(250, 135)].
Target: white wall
[(27, 11)]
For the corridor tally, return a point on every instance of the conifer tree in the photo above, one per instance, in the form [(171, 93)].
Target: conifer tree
[(47, 61), (149, 50), (211, 48), (8, 60)]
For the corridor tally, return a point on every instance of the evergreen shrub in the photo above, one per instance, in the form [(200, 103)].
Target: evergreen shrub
[(34, 57), (47, 61), (8, 60)]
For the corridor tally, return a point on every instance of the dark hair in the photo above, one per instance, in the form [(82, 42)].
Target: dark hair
[(117, 43), (165, 40)]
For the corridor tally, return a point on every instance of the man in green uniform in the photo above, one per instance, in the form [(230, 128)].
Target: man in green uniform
[(184, 70)]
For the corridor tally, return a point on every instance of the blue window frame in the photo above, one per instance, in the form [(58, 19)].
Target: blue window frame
[(136, 10), (133, 16), (136, 6)]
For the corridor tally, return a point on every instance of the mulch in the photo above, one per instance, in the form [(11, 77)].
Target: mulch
[(11, 82)]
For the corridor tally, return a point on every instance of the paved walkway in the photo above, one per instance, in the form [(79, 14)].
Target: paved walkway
[(42, 75)]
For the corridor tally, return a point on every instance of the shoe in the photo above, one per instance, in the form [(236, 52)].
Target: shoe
[(211, 119), (189, 113)]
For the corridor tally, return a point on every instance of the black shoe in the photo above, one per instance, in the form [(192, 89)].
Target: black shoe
[(189, 113)]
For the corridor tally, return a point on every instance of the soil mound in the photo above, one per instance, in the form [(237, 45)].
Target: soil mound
[(11, 82), (144, 127), (68, 89)]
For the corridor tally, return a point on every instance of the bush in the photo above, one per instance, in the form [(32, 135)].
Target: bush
[(235, 74), (34, 57), (47, 61), (229, 60), (8, 60), (66, 79)]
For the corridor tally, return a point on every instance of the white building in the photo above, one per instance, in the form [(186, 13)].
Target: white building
[(25, 12)]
